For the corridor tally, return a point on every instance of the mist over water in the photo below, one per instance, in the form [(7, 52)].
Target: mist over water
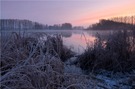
[(76, 40)]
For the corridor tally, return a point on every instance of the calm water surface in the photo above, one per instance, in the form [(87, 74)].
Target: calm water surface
[(75, 39)]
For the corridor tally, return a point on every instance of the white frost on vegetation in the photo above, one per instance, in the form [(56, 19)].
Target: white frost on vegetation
[(25, 65)]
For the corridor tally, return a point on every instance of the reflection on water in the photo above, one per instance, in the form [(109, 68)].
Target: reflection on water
[(78, 41), (75, 39)]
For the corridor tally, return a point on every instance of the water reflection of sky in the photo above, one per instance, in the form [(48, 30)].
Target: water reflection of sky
[(78, 41), (74, 39)]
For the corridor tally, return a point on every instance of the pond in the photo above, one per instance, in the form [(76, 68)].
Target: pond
[(76, 40)]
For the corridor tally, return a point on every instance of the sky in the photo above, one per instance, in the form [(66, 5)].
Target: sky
[(77, 12)]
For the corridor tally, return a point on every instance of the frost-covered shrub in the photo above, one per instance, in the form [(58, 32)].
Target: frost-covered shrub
[(16, 48), (26, 63), (55, 44), (116, 53), (46, 74), (29, 63)]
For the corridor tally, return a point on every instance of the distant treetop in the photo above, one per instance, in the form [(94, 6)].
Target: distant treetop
[(16, 24), (116, 23)]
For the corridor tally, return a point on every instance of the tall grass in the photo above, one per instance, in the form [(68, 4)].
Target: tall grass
[(55, 44), (115, 53), (29, 63)]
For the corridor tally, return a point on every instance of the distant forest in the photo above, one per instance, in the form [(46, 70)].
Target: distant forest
[(7, 24), (116, 23)]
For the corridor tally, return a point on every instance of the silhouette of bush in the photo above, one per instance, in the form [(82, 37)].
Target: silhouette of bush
[(115, 53), (104, 24)]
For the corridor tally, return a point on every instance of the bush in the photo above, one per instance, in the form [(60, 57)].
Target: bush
[(25, 65), (55, 45), (16, 48), (115, 53)]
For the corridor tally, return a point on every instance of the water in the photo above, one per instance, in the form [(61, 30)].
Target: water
[(76, 40)]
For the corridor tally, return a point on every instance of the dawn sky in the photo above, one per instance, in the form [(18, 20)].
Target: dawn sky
[(77, 12)]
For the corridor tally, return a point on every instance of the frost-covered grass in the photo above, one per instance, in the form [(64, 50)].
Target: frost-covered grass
[(116, 53), (29, 62), (56, 45)]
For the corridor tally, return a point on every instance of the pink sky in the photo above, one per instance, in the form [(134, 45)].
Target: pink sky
[(77, 12), (125, 9)]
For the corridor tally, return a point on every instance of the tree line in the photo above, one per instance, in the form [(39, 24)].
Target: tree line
[(26, 24), (116, 23), (125, 19)]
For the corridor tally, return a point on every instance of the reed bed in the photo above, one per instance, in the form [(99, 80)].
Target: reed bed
[(116, 53), (29, 63), (34, 62)]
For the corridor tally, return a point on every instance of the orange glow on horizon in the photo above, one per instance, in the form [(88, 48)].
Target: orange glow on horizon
[(106, 13)]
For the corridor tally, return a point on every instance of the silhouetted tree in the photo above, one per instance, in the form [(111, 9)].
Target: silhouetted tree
[(125, 19), (38, 26), (66, 26), (26, 24), (116, 23)]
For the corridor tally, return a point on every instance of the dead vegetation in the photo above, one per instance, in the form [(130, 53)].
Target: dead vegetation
[(116, 53), (27, 63)]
